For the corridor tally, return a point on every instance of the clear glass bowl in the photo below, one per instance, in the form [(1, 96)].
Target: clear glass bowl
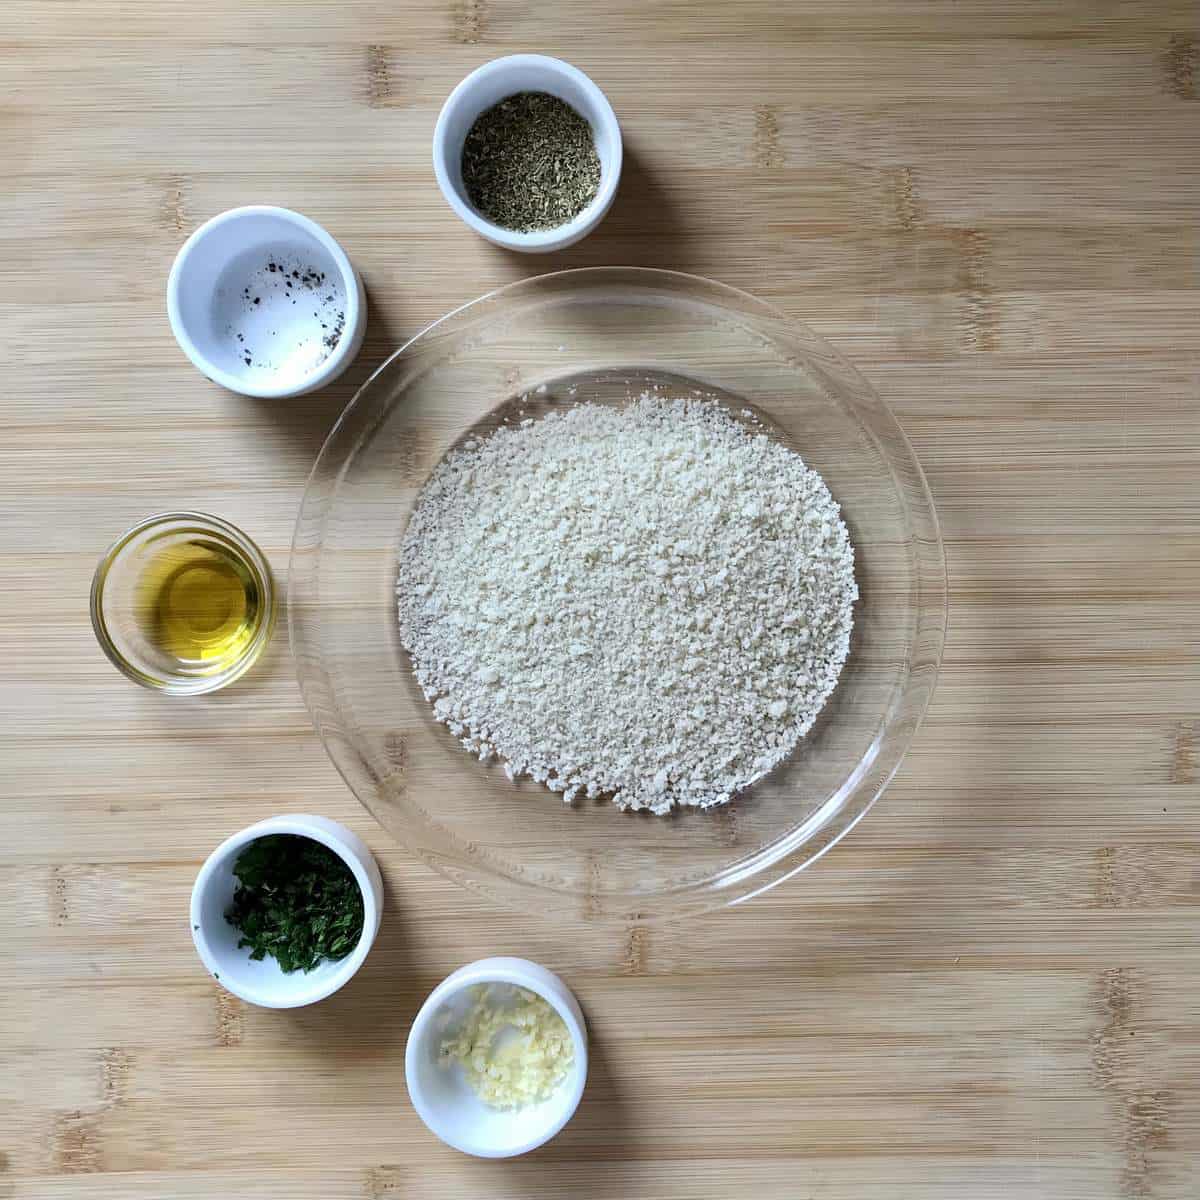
[(217, 635), (605, 332)]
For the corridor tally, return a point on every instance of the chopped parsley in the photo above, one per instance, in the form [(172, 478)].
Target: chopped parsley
[(296, 901)]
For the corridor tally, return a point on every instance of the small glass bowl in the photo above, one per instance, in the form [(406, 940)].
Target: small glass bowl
[(118, 606)]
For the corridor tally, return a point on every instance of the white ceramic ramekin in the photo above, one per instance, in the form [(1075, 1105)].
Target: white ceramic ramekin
[(489, 85), (266, 303), (263, 983), (443, 1098)]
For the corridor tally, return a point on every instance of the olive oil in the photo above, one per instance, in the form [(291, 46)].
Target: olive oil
[(199, 603), (183, 602)]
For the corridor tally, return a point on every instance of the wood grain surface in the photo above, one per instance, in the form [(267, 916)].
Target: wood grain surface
[(992, 987)]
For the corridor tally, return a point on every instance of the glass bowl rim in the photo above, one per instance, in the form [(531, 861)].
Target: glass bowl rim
[(769, 865)]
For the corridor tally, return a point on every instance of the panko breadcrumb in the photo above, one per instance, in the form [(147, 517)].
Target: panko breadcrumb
[(650, 603)]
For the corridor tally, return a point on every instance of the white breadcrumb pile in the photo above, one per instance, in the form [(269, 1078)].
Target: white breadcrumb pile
[(650, 603)]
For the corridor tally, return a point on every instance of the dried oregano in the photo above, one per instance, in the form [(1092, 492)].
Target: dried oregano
[(529, 163)]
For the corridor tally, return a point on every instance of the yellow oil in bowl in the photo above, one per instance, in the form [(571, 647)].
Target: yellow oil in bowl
[(200, 604), (183, 603)]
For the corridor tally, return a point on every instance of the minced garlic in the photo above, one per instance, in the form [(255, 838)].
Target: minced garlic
[(513, 1047)]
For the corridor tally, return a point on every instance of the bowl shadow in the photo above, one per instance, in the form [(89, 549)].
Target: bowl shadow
[(600, 1131), (643, 227), (305, 421), (375, 1008)]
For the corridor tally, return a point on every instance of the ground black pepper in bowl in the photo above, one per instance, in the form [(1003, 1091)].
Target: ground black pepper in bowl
[(529, 163)]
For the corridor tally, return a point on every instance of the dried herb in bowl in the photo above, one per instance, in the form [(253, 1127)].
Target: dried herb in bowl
[(296, 901), (529, 163)]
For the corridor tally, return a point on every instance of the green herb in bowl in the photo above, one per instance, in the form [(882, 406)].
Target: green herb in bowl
[(296, 901)]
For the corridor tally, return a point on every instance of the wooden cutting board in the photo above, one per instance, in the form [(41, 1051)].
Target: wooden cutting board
[(990, 989)]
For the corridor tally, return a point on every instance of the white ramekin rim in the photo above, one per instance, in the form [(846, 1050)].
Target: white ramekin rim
[(339, 358), (542, 240), (350, 849), (523, 973)]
